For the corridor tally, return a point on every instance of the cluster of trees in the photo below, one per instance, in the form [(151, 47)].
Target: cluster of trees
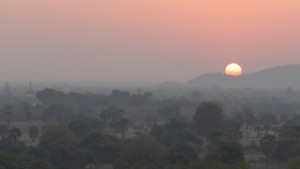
[(288, 142), (175, 144), (116, 98), (89, 105), (86, 131)]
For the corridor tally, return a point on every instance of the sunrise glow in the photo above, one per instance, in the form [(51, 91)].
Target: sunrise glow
[(233, 69)]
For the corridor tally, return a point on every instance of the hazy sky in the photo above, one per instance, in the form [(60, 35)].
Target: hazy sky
[(144, 39)]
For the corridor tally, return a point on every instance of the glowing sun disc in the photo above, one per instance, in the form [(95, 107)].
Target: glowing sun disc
[(233, 69)]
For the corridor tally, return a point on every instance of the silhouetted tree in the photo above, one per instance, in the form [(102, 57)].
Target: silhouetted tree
[(97, 125), (175, 125), (33, 132), (250, 119), (290, 130), (141, 153), (229, 152), (123, 123), (50, 97), (55, 134), (182, 153), (68, 157), (102, 148), (119, 97), (57, 113), (208, 117), (175, 132), (79, 128), (268, 146), (169, 112), (14, 134), (111, 116), (268, 119), (140, 99), (215, 139), (3, 130)]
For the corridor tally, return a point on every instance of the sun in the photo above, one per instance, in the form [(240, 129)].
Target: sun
[(233, 69)]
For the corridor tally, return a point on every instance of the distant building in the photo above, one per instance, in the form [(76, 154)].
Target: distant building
[(31, 96)]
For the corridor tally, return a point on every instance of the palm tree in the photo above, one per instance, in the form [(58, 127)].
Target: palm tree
[(33, 132), (3, 130), (111, 115), (296, 132), (14, 133), (124, 123), (97, 125), (268, 145), (258, 130)]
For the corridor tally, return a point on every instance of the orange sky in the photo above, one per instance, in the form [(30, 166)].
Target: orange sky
[(144, 40)]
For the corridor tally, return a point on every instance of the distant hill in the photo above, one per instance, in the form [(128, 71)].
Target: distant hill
[(276, 77)]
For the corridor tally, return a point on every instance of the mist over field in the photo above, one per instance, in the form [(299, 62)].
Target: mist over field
[(250, 122)]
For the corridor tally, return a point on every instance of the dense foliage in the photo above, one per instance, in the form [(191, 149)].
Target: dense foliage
[(88, 131)]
